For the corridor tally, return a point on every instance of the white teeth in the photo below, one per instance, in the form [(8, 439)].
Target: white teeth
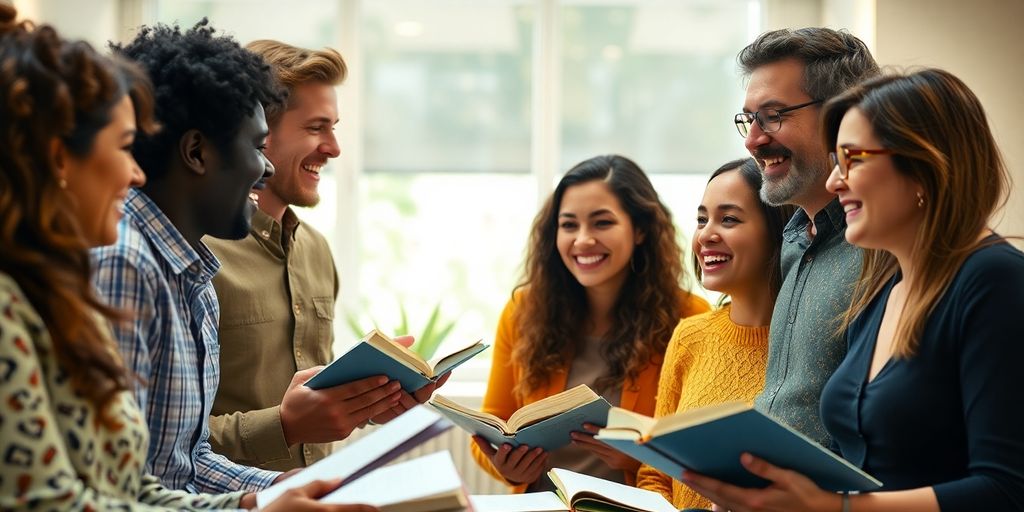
[(255, 198), (851, 206), (590, 260), (312, 168), (717, 258), (773, 161)]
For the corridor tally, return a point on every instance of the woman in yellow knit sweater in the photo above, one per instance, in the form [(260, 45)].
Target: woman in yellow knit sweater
[(597, 304), (721, 355)]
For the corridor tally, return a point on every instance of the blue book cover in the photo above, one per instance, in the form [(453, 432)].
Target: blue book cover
[(710, 441), (375, 354), (547, 426)]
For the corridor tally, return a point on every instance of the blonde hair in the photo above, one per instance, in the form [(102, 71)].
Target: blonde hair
[(294, 66), (940, 138)]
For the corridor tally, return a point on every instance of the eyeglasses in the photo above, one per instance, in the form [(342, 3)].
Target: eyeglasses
[(769, 119), (851, 155)]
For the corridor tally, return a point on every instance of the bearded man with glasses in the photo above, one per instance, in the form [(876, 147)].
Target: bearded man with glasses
[(790, 73)]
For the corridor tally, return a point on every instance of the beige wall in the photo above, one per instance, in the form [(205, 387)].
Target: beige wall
[(979, 41)]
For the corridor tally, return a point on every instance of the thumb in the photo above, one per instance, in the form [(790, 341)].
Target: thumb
[(302, 376), (485, 446), (404, 340)]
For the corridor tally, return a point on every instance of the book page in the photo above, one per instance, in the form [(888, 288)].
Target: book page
[(577, 486), (431, 478), (359, 454), (526, 502), (551, 406), (697, 416), (442, 364), (399, 353), (443, 402), (626, 424)]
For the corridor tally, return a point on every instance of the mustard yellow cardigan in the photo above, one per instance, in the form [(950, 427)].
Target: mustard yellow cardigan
[(638, 394), (710, 360)]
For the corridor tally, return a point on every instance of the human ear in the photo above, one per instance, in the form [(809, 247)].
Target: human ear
[(59, 158), (190, 148)]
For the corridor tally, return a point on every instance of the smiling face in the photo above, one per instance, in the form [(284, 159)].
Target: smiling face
[(236, 172), (794, 165), (100, 180), (731, 239), (881, 203), (595, 236), (299, 145)]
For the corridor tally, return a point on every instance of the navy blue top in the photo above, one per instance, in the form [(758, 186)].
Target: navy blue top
[(949, 417)]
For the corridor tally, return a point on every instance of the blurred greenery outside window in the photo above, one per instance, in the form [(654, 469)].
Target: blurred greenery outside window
[(445, 188)]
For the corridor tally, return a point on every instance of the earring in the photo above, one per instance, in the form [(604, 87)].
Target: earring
[(920, 200), (62, 183)]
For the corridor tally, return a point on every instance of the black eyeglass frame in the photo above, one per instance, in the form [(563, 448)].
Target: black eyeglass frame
[(849, 154), (743, 120)]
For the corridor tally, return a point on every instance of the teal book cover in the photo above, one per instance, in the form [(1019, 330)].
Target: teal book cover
[(550, 433), (713, 448)]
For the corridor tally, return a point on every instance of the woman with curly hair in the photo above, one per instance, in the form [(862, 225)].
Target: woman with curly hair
[(72, 436), (597, 305)]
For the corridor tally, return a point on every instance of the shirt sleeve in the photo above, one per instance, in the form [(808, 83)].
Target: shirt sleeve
[(36, 472), (215, 473), (499, 399), (250, 436), (991, 350), (669, 389)]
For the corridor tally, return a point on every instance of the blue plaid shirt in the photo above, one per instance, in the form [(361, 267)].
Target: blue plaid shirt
[(171, 345)]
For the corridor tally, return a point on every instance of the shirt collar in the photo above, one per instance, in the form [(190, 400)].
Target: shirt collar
[(268, 231), (828, 222), (167, 240)]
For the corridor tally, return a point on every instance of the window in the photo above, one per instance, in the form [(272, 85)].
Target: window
[(460, 115)]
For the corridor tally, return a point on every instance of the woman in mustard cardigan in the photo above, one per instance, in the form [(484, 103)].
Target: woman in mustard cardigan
[(721, 355), (597, 304)]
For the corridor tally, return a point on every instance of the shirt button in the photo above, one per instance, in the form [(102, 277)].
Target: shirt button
[(265, 234), (298, 310)]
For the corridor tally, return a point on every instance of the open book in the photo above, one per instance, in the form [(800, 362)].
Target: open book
[(376, 354), (426, 484), (576, 493), (710, 440), (360, 457), (545, 423)]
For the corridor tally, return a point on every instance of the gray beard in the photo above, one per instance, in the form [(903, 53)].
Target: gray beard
[(782, 191)]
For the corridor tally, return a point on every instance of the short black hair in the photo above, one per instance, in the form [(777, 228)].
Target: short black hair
[(202, 81)]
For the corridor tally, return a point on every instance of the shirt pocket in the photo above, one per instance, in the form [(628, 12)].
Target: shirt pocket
[(324, 309)]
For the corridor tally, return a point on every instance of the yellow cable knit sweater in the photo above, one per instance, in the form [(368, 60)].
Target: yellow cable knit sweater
[(709, 360)]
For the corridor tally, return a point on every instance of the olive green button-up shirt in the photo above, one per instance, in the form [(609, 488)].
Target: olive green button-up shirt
[(804, 345), (277, 289)]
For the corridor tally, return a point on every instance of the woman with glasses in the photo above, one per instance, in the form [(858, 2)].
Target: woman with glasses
[(71, 435), (928, 397), (597, 305)]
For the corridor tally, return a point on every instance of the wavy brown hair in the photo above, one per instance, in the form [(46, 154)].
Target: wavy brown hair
[(54, 90), (940, 138), (555, 305)]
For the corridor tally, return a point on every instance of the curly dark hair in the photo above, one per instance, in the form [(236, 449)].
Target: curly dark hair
[(203, 81), (834, 60), (647, 308), (54, 89)]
